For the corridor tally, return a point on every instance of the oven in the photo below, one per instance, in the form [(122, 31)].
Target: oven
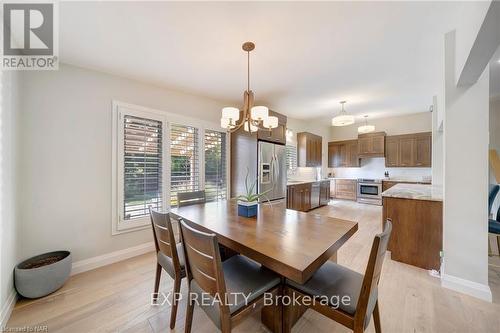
[(370, 191)]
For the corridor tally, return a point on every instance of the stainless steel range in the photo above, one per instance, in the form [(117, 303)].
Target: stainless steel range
[(370, 191)]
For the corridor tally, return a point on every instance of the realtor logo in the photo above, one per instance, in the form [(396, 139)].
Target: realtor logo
[(29, 36)]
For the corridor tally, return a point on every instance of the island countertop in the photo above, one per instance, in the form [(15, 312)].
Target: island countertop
[(415, 192)]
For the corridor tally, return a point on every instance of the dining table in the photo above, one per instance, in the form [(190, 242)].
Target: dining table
[(291, 243)]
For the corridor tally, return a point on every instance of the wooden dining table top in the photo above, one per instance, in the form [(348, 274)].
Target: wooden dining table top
[(294, 244)]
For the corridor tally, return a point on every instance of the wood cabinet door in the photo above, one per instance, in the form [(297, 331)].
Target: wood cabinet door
[(365, 145), (345, 189), (324, 194), (306, 198), (352, 154), (423, 151), (378, 145), (319, 151), (290, 197), (334, 156), (392, 152), (406, 152)]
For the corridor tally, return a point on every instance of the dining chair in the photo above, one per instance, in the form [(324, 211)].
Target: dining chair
[(190, 198), (333, 281), (169, 256), (219, 286)]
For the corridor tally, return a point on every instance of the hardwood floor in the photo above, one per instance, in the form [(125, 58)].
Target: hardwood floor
[(116, 298)]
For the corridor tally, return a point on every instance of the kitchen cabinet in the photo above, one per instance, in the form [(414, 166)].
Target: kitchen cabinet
[(417, 231), (346, 189), (343, 154), (275, 135), (299, 195), (371, 144), (309, 151), (409, 150)]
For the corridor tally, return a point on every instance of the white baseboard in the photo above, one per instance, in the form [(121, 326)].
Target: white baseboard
[(478, 290), (7, 308), (111, 258)]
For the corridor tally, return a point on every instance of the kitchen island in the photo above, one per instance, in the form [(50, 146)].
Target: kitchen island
[(416, 211)]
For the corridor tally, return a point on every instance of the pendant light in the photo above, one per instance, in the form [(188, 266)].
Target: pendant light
[(253, 117), (343, 119), (366, 128)]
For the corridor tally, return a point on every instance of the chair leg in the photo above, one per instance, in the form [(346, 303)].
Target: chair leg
[(189, 314), (376, 319), (173, 310), (157, 281)]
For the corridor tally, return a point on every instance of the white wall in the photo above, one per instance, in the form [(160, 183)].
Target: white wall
[(437, 141), (375, 167), (465, 234), (65, 157), (8, 183)]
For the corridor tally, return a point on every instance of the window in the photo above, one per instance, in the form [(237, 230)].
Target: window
[(215, 165), (291, 158), (157, 154), (142, 149), (139, 166), (184, 154)]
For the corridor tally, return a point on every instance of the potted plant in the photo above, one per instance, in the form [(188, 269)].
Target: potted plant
[(248, 202)]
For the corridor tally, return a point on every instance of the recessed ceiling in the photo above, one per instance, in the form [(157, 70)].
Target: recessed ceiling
[(382, 57)]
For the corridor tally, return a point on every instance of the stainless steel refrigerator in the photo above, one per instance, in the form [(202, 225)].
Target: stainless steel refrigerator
[(272, 170)]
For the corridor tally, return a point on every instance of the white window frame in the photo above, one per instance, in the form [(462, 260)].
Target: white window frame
[(119, 109)]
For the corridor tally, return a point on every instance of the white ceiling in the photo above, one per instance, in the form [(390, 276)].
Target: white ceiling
[(383, 58)]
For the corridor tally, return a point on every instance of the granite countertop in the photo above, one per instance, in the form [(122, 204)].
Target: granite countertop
[(408, 179), (343, 178), (298, 182), (415, 192)]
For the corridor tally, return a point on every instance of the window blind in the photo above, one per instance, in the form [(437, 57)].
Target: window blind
[(142, 166), (291, 157), (184, 151), (215, 165)]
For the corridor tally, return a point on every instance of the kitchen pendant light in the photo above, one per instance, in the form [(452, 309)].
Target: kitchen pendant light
[(366, 128), (253, 117), (343, 119)]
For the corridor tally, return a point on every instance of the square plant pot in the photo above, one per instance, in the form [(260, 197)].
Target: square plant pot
[(247, 209)]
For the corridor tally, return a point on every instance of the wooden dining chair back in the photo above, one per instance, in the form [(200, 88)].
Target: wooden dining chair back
[(368, 302), (203, 259), (208, 276), (190, 198), (333, 280), (169, 255)]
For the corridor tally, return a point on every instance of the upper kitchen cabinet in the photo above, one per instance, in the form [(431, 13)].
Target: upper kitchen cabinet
[(371, 144), (276, 135), (343, 154), (409, 150), (309, 149)]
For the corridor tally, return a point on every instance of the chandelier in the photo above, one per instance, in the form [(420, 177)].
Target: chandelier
[(343, 119), (366, 128), (253, 117)]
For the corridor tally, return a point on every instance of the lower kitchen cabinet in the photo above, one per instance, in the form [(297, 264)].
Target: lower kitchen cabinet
[(346, 189), (298, 196)]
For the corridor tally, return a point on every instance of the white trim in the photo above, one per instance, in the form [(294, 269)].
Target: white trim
[(478, 290), (111, 258), (7, 308)]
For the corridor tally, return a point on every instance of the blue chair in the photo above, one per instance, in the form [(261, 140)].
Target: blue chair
[(494, 225), (493, 194)]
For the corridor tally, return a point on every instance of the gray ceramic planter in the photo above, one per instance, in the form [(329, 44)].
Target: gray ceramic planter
[(41, 281)]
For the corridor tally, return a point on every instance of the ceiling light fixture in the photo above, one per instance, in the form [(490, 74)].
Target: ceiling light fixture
[(343, 119), (366, 128), (254, 117)]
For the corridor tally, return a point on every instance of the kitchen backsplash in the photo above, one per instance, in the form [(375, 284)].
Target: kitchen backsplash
[(303, 174), (375, 168)]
